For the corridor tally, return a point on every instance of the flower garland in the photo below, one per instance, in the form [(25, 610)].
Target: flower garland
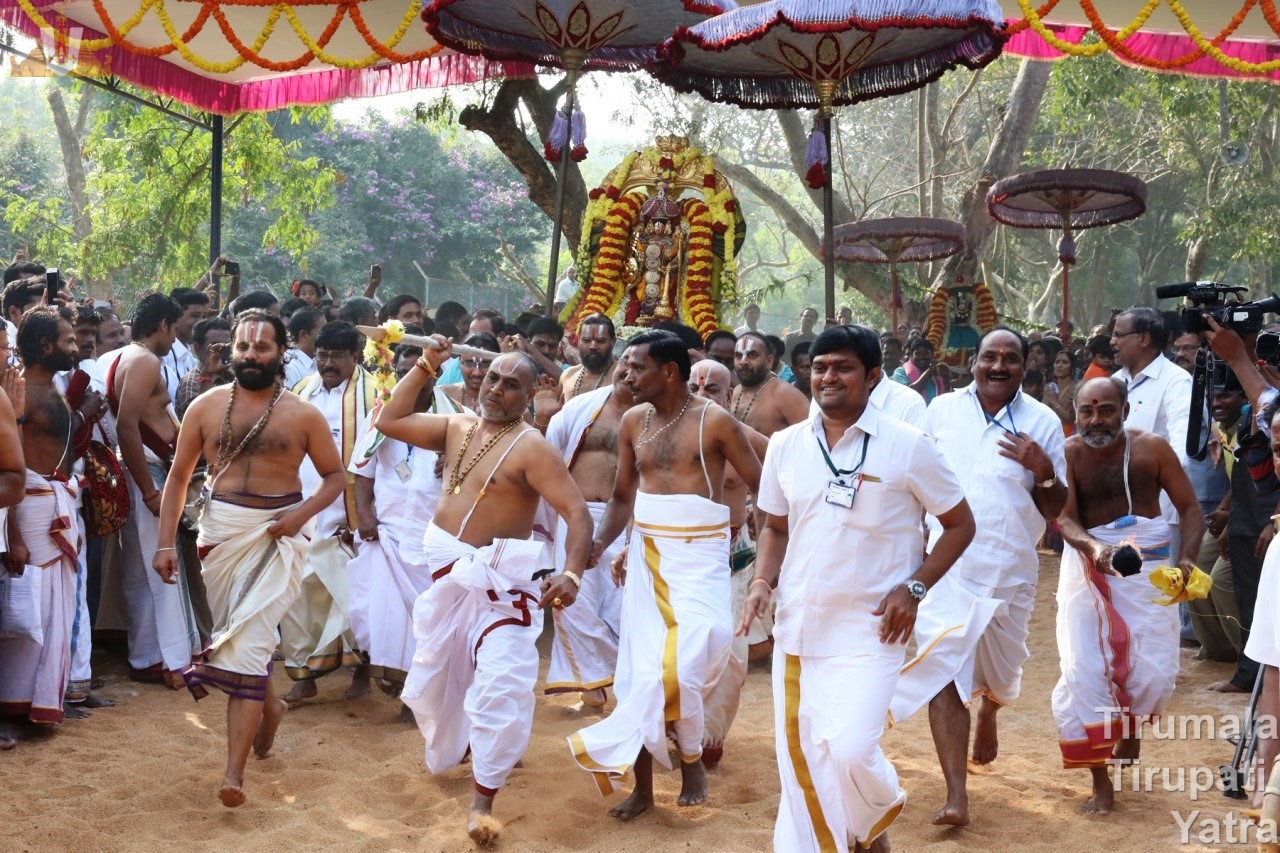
[(698, 310), (379, 357), (717, 271), (118, 35), (938, 320), (606, 289), (1114, 39)]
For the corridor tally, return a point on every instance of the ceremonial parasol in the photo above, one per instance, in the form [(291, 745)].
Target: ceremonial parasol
[(1070, 199), (897, 239), (574, 35), (804, 54)]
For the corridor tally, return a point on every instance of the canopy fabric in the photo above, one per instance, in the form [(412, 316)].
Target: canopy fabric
[(1210, 38), (615, 35), (231, 56)]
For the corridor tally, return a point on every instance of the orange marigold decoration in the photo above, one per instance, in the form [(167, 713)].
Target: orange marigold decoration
[(698, 309), (941, 308), (605, 289)]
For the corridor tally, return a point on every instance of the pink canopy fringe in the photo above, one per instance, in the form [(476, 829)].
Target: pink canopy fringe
[(296, 89), (1154, 45)]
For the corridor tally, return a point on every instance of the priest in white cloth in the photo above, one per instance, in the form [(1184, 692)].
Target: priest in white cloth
[(397, 491), (676, 620), (843, 494), (256, 436), (316, 633), (712, 381), (471, 685), (584, 654), (1006, 450), (1118, 648)]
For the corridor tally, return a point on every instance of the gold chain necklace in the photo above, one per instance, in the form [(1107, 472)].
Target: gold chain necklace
[(642, 441), (577, 380), (459, 473), (743, 416)]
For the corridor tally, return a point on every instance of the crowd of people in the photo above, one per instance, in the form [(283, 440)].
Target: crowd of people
[(225, 485)]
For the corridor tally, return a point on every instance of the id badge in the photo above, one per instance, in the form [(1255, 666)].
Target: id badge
[(838, 494), (403, 470)]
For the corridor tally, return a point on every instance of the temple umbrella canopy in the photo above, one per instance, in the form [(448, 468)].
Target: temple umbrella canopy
[(606, 35), (805, 54), (232, 56), (1069, 199), (895, 240)]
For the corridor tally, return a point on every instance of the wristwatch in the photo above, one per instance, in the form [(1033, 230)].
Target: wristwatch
[(1049, 483), (916, 589)]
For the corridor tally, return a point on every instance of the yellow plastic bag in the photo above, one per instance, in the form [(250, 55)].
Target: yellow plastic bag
[(1168, 579)]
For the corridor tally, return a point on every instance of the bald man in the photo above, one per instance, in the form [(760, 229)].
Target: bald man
[(712, 381)]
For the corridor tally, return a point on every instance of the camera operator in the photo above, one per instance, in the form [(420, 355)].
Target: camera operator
[(1262, 643), (211, 346)]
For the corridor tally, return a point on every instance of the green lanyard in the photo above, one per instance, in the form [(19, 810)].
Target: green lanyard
[(839, 473)]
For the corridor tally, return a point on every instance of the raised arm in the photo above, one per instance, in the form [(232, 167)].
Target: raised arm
[(397, 419)]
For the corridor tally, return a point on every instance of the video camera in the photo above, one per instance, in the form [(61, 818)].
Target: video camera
[(1210, 299), (1222, 302)]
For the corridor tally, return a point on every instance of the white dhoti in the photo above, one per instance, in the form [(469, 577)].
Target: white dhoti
[(1118, 648), (838, 789), (1264, 635), (162, 625), (385, 582), (81, 678), (585, 652), (676, 631), (721, 706), (33, 676), (315, 631), (473, 675), (969, 635), (252, 578)]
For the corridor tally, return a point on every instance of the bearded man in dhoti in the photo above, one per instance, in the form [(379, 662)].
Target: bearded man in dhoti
[(255, 436), (472, 679), (1118, 647)]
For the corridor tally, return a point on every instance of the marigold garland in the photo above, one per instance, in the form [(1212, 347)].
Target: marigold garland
[(1114, 39), (379, 357), (118, 35), (937, 322), (710, 277)]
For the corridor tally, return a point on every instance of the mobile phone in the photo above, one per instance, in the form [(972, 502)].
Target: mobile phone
[(231, 268), (52, 278), (375, 274), (226, 353)]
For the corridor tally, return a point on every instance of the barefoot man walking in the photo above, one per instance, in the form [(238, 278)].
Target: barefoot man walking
[(676, 621), (1119, 648), (472, 680), (255, 437), (971, 631), (843, 494)]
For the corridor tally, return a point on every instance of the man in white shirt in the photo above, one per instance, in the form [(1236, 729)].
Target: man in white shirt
[(1007, 451), (315, 633), (181, 360), (566, 288), (299, 362), (842, 494), (751, 320), (1159, 391)]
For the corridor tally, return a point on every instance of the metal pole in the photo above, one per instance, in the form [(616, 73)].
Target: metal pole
[(572, 64), (828, 222), (215, 191)]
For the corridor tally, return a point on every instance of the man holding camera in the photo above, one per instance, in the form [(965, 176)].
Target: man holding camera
[(211, 345)]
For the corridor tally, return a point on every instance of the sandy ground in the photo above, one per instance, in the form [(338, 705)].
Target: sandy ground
[(347, 776)]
